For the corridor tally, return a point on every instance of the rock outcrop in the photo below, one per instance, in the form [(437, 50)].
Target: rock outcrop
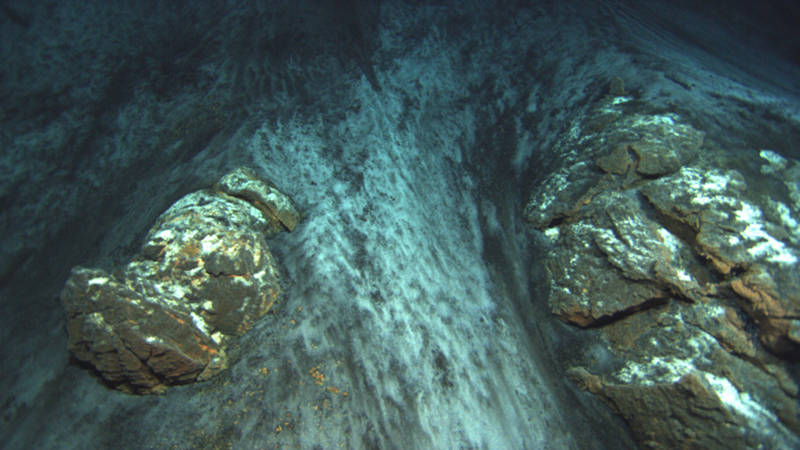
[(204, 275), (680, 261)]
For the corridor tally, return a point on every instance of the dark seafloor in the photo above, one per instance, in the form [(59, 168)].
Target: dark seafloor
[(409, 134)]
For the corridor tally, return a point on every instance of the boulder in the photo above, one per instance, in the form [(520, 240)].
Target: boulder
[(204, 275)]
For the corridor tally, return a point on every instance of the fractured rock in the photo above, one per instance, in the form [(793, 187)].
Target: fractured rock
[(585, 288), (679, 386), (628, 148), (734, 234), (684, 262), (617, 261)]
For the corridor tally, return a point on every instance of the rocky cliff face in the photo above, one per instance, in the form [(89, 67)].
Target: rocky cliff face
[(679, 259)]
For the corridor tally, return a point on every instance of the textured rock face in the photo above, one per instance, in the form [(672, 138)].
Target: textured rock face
[(682, 259), (204, 275)]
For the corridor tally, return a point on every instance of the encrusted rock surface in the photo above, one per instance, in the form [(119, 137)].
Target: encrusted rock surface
[(263, 195), (204, 275), (680, 259), (757, 256)]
